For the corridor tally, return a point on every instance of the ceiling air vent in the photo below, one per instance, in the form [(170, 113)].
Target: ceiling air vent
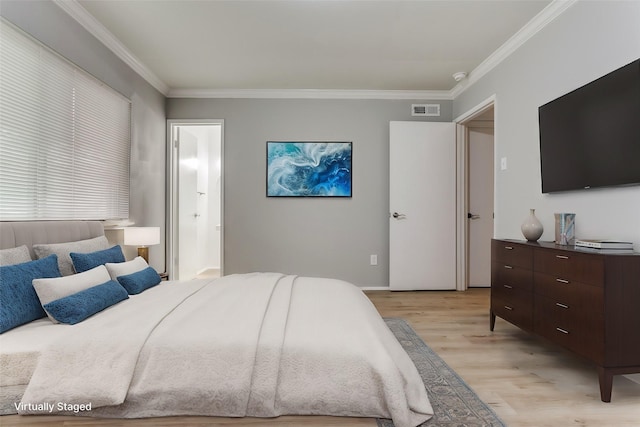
[(424, 110)]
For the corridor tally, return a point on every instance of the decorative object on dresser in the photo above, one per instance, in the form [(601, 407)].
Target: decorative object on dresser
[(565, 228), (585, 301), (531, 227), (604, 244)]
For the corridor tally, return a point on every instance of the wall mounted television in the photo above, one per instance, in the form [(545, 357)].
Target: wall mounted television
[(590, 137)]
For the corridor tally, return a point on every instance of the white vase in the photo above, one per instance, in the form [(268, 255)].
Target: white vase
[(531, 227)]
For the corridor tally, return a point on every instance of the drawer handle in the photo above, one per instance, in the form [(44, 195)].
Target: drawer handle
[(508, 286), (562, 280), (562, 257), (509, 248), (508, 267), (562, 305), (562, 330), (508, 308)]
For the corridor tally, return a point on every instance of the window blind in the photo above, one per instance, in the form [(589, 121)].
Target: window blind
[(65, 137)]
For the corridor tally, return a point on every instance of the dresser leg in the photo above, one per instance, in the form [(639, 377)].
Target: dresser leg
[(606, 384), (492, 320)]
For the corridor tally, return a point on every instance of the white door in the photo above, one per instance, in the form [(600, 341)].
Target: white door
[(188, 213), (422, 206), (480, 175)]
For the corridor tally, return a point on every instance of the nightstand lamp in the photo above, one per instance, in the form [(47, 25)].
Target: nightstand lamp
[(142, 237)]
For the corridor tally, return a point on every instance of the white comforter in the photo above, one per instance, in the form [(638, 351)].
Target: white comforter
[(260, 344)]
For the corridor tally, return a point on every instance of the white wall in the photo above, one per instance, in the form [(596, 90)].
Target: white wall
[(587, 41)]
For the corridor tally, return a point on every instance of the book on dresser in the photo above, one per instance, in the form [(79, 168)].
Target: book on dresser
[(585, 300), (603, 244)]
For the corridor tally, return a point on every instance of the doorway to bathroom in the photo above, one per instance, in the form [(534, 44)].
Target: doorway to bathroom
[(195, 199)]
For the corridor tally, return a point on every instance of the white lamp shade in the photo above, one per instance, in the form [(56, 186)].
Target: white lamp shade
[(141, 236)]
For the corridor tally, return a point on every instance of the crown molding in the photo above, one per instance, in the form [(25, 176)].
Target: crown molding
[(84, 18), (531, 28), (311, 94)]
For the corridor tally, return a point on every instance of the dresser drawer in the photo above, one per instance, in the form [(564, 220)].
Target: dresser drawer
[(508, 276), (571, 293), (511, 295), (513, 306), (512, 253), (568, 315), (568, 265), (575, 328)]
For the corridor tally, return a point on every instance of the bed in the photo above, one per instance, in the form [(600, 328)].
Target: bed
[(245, 345)]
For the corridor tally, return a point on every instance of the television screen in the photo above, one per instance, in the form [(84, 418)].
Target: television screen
[(590, 137)]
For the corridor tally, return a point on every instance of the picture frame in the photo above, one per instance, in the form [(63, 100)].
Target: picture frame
[(309, 169)]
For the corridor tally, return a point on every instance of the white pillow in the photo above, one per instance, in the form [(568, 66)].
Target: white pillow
[(124, 268), (63, 249), (14, 256), (59, 287)]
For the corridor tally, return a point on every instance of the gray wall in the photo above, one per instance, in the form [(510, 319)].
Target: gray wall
[(53, 27), (587, 41), (328, 237)]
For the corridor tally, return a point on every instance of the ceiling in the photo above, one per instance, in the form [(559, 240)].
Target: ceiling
[(392, 45)]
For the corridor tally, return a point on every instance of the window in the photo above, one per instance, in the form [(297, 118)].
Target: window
[(64, 137)]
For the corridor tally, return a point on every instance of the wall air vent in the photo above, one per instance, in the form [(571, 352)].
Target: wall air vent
[(425, 110)]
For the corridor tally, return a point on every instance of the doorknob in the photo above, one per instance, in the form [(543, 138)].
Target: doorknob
[(397, 215), (472, 216)]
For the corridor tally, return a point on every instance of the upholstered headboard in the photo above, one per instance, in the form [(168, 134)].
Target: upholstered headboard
[(14, 234)]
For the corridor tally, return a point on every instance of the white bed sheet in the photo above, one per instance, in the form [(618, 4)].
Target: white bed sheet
[(20, 348)]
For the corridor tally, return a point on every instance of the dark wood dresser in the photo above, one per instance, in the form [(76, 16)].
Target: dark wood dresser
[(586, 300)]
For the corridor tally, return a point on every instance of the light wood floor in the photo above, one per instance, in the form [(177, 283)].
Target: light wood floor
[(527, 381), (210, 273)]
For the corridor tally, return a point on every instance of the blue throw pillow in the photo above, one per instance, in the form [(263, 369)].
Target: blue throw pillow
[(137, 282), (75, 308), (19, 303), (85, 262)]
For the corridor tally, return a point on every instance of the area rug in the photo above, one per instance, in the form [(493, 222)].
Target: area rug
[(453, 401)]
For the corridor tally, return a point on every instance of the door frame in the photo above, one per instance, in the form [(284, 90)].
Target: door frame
[(172, 189), (462, 190)]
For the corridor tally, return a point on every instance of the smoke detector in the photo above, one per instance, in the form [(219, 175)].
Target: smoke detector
[(460, 75)]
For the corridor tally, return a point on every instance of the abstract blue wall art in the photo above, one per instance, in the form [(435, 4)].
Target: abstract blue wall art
[(308, 169)]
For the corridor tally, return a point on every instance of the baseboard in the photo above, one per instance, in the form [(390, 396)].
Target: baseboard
[(202, 270)]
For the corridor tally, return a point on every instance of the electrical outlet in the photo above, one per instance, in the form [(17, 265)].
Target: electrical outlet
[(374, 260)]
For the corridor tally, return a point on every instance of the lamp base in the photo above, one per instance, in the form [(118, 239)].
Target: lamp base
[(143, 251)]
